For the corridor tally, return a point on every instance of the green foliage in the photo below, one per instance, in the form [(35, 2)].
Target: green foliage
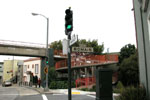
[(132, 93), (119, 85), (119, 88), (98, 49), (129, 72), (84, 89), (60, 85), (93, 89), (126, 51), (56, 45), (52, 74)]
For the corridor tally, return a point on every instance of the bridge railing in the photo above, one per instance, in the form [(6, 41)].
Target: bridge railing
[(85, 81), (87, 60), (19, 43)]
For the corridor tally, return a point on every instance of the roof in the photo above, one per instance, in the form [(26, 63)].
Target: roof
[(32, 59)]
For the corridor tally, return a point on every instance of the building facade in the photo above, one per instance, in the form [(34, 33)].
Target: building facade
[(1, 72), (33, 66), (20, 72), (10, 70), (141, 10)]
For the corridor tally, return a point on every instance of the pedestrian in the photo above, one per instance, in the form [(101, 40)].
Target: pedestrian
[(36, 81), (39, 82), (31, 79)]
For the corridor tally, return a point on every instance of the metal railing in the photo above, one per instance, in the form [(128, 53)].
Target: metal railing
[(90, 60), (85, 81)]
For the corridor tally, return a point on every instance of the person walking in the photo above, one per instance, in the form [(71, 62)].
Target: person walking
[(36, 81), (39, 82), (31, 79)]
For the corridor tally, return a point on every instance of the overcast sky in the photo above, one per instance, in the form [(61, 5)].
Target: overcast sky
[(109, 21)]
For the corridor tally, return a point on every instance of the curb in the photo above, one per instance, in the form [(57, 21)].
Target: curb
[(33, 89)]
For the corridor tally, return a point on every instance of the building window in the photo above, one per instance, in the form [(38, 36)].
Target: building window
[(28, 66), (36, 68), (25, 68), (32, 65)]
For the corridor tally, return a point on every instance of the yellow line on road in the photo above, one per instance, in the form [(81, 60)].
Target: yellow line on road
[(75, 92)]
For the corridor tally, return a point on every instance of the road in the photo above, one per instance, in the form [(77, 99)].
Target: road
[(23, 93), (8, 93), (55, 97)]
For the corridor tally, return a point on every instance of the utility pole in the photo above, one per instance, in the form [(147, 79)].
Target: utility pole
[(46, 50)]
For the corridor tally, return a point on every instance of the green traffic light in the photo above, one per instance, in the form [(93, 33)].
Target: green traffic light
[(47, 62), (69, 27)]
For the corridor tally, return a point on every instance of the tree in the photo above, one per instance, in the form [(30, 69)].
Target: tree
[(98, 49), (126, 51), (129, 72), (56, 45)]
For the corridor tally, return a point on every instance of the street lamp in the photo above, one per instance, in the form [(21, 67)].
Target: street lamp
[(46, 52)]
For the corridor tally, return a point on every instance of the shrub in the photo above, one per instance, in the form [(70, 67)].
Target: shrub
[(91, 89), (60, 85), (119, 88), (119, 85), (84, 89), (53, 85), (132, 93)]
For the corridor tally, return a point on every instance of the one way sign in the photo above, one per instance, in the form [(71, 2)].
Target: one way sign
[(74, 39)]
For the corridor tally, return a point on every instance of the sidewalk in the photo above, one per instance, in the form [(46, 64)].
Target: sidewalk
[(61, 91), (65, 91)]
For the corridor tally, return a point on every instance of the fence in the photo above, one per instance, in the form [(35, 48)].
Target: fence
[(87, 60), (85, 81)]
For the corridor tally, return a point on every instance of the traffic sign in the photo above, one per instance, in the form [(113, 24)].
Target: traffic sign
[(45, 70), (74, 39), (82, 49)]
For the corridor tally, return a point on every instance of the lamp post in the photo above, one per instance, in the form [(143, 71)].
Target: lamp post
[(46, 52)]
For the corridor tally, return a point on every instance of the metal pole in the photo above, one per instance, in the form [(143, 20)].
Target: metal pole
[(13, 67), (46, 88), (69, 67)]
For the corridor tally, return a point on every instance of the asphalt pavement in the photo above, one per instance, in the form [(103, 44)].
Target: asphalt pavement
[(7, 93), (31, 93)]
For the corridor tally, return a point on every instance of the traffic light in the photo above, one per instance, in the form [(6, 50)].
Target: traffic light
[(68, 21), (47, 61)]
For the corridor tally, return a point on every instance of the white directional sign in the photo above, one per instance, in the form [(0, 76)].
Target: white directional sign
[(74, 39)]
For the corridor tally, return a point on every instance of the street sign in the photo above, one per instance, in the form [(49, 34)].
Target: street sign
[(74, 39), (45, 70), (82, 49)]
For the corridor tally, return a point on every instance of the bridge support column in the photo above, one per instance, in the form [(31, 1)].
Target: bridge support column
[(93, 72), (78, 73), (87, 73)]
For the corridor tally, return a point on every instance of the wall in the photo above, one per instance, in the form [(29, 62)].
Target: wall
[(30, 64), (10, 69)]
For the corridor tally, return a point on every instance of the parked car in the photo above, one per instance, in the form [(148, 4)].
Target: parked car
[(7, 83)]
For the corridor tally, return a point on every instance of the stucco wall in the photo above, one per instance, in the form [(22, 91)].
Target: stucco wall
[(31, 67)]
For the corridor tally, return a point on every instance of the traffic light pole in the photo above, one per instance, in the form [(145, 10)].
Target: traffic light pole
[(68, 30), (69, 67)]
